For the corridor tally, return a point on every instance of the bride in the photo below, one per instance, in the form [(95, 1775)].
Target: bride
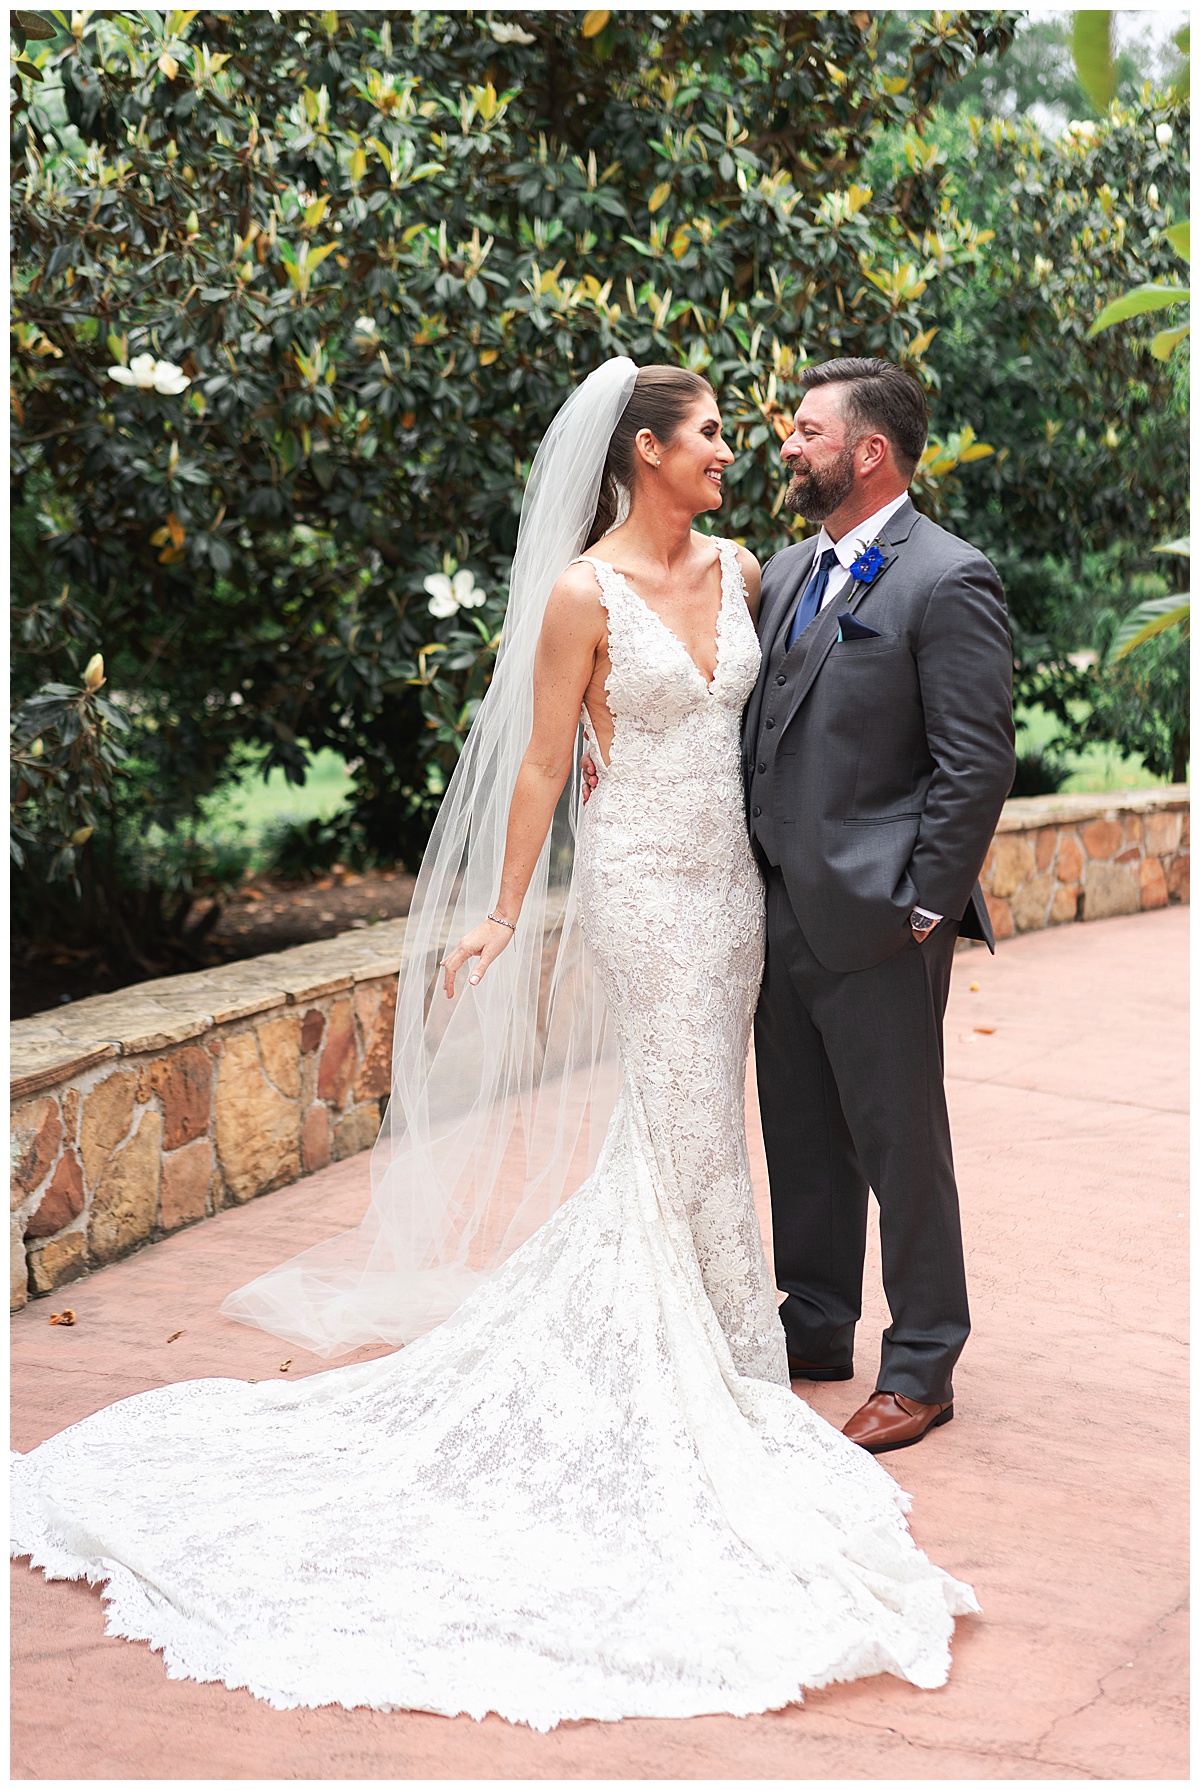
[(583, 1488)]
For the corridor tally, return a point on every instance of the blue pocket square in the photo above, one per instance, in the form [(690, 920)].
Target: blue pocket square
[(851, 629)]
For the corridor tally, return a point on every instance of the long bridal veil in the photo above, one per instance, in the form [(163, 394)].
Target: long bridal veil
[(501, 1097)]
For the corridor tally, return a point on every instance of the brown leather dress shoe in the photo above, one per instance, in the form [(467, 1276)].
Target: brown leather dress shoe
[(889, 1420), (813, 1370)]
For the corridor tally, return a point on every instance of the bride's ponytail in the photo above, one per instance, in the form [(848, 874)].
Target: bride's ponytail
[(606, 509), (662, 398)]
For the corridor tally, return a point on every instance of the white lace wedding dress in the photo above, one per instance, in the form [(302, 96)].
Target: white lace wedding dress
[(590, 1493)]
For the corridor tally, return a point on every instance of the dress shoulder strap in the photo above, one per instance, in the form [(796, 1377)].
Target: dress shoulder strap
[(731, 568)]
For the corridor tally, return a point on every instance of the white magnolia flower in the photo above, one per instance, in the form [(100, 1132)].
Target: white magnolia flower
[(448, 595), (442, 600), (150, 375), (1163, 135), (469, 594), (510, 34)]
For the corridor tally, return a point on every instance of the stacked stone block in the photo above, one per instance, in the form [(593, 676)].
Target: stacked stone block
[(125, 1141), (1061, 858)]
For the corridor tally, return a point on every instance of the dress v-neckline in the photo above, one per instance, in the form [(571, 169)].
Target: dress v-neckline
[(708, 682)]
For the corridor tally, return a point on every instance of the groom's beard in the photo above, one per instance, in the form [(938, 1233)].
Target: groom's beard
[(815, 495)]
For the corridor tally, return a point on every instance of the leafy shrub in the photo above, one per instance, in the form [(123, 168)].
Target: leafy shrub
[(1091, 435), (1143, 700), (296, 849), (64, 755), (355, 261), (1040, 773), (136, 908)]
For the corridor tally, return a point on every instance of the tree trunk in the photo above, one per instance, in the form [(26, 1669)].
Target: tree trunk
[(1180, 753)]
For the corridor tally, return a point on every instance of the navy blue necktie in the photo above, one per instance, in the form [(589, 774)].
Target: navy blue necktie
[(810, 603)]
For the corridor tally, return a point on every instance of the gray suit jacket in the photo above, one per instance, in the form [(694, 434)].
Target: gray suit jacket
[(876, 767)]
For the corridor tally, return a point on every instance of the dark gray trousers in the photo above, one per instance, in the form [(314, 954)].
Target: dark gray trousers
[(851, 1090)]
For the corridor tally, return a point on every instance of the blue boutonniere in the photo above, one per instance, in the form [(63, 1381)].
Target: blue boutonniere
[(869, 564)]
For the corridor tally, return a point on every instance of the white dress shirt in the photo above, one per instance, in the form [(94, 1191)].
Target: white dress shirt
[(847, 551)]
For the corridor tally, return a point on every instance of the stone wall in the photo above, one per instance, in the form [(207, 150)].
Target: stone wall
[(1087, 857), (136, 1113)]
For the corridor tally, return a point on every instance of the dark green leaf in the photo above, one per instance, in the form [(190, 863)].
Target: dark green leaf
[(35, 27)]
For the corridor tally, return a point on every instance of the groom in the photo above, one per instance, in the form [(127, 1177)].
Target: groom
[(878, 750)]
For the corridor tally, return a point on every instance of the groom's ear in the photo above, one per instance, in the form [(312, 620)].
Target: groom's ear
[(871, 452)]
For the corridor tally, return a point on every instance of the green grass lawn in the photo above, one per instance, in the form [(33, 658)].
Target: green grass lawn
[(256, 803), (246, 811), (1098, 767)]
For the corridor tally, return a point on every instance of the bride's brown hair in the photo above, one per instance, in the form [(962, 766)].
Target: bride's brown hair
[(660, 400)]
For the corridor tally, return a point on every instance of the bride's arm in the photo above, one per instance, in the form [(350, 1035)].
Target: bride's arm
[(572, 632)]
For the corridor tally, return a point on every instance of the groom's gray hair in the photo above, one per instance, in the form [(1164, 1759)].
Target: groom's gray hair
[(878, 395)]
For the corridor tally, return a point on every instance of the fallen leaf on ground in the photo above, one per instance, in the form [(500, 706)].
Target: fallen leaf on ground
[(974, 988), (175, 1337), (284, 1365), (62, 1317), (986, 1030)]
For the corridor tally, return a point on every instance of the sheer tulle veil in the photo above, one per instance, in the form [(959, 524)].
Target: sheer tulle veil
[(500, 1098)]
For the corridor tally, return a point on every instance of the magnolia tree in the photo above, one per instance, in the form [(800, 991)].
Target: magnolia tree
[(296, 293), (1090, 428)]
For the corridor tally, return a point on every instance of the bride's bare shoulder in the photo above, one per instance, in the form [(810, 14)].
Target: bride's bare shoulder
[(574, 603), (577, 583)]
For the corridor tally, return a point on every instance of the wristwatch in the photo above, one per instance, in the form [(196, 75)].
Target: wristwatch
[(922, 922)]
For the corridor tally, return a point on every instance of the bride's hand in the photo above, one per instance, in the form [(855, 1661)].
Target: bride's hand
[(486, 942)]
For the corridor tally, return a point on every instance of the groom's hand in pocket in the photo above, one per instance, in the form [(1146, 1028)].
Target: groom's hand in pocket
[(923, 923)]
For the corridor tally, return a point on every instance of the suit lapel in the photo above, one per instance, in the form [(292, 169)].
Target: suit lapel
[(894, 533), (784, 600)]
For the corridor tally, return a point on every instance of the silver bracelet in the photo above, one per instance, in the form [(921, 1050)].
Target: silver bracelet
[(509, 923)]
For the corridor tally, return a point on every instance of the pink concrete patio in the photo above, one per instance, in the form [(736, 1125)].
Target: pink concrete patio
[(1059, 1491)]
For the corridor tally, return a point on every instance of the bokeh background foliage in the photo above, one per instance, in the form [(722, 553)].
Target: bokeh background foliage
[(381, 247)]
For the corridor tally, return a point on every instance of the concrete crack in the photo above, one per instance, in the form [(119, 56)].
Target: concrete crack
[(997, 1080), (996, 1755), (1102, 1684)]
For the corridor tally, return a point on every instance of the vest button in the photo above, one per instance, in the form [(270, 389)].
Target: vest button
[(762, 765), (781, 679), (769, 724), (756, 812)]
